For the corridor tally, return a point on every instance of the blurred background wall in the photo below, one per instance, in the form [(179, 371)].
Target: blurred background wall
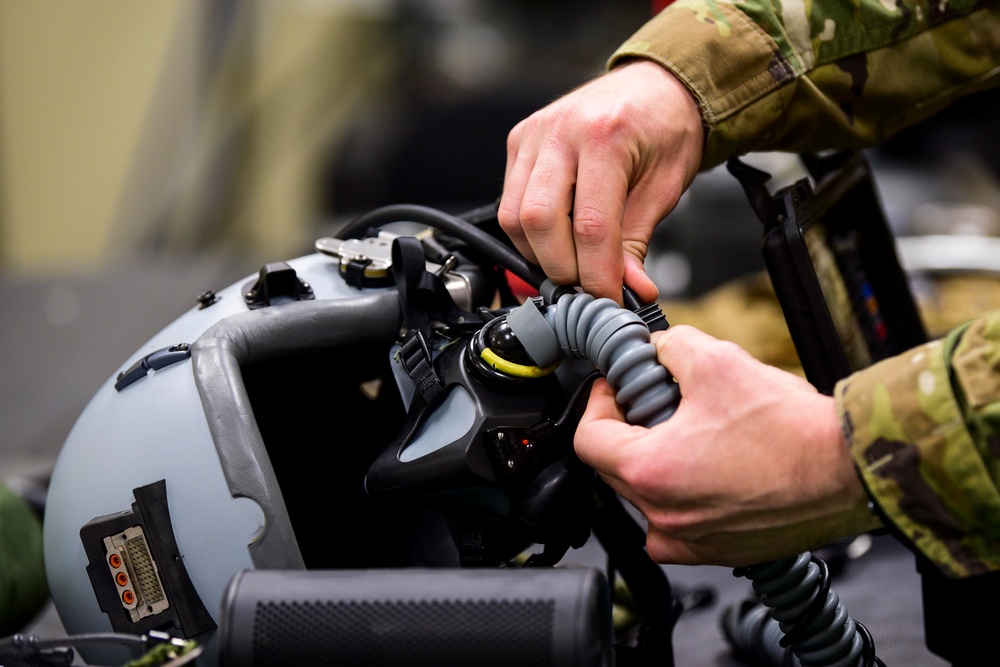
[(186, 125), (170, 124), (77, 81)]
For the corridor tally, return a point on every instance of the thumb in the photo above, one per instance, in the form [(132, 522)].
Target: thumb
[(602, 404), (637, 278), (602, 429), (679, 348)]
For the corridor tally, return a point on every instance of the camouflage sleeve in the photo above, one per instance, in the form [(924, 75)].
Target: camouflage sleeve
[(924, 430), (804, 76)]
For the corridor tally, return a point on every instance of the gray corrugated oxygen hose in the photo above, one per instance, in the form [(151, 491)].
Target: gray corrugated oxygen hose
[(802, 611), (615, 339)]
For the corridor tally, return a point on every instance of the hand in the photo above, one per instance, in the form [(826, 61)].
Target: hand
[(617, 153), (751, 467)]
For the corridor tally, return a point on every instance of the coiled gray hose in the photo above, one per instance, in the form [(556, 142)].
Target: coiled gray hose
[(806, 614), (615, 339), (801, 612)]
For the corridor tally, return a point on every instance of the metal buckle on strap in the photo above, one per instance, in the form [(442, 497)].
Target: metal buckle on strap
[(415, 356)]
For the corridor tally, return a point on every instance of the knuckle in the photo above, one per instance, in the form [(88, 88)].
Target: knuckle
[(721, 354), (514, 137), (589, 224), (630, 471), (607, 125), (508, 217), (662, 523), (636, 472), (656, 549), (671, 334), (537, 215), (636, 247), (562, 273), (672, 524)]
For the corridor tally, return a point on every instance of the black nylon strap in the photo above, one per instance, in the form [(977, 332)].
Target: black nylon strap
[(416, 359), (408, 270), (424, 299)]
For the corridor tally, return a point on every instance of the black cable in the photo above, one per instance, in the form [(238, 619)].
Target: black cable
[(814, 607), (750, 629), (868, 653), (579, 394), (20, 641), (22, 650), (453, 225)]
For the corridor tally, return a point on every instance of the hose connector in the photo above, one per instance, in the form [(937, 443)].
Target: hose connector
[(614, 339)]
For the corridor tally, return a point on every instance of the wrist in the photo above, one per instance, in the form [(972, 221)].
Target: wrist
[(860, 514), (837, 503)]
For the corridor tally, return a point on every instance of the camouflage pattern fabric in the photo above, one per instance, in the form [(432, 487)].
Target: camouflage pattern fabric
[(924, 430), (883, 409), (803, 76)]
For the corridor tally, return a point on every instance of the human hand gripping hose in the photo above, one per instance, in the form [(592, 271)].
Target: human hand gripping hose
[(800, 613)]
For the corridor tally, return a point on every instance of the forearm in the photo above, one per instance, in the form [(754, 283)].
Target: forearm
[(924, 430), (771, 81)]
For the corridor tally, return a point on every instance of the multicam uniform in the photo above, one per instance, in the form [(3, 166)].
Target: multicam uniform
[(924, 427)]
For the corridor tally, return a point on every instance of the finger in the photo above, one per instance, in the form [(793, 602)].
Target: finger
[(645, 207), (514, 139), (637, 278), (625, 492), (681, 348), (664, 549), (602, 432), (602, 404), (545, 213), (598, 209), (521, 155)]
